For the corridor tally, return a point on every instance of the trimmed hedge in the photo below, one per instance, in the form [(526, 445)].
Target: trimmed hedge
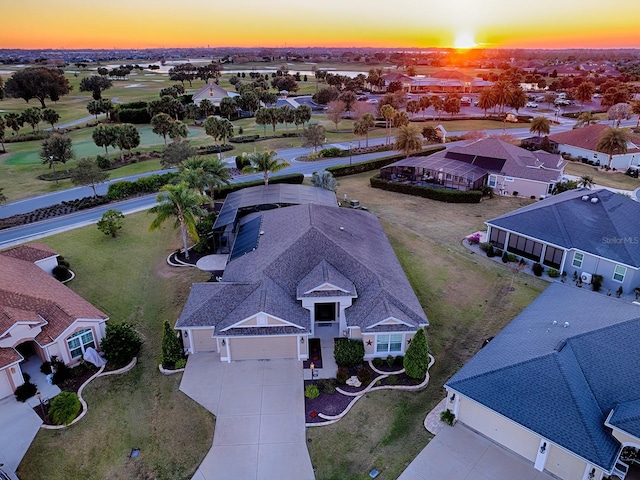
[(132, 115), (367, 166), (151, 184), (438, 194), (210, 149), (244, 139)]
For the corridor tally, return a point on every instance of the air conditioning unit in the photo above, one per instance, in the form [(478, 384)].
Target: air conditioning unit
[(586, 278)]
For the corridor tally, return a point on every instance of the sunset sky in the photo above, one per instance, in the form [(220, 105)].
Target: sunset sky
[(298, 23)]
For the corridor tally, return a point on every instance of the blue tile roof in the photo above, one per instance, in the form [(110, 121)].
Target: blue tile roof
[(604, 228), (561, 381)]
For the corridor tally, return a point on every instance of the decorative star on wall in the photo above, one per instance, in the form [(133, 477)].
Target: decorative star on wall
[(409, 341), (369, 342)]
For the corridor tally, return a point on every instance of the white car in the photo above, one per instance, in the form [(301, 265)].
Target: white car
[(531, 105), (372, 100)]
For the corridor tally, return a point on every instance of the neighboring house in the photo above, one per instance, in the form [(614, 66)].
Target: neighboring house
[(450, 81), (293, 269), (559, 385), (508, 169), (581, 143), (583, 231), (212, 92), (39, 315)]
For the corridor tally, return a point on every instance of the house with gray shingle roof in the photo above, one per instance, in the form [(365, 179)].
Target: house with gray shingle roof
[(508, 169), (39, 316), (301, 268), (559, 384), (582, 232), (581, 143)]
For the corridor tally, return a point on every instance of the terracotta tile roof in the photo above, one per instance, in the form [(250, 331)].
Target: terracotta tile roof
[(31, 253), (8, 356), (24, 287)]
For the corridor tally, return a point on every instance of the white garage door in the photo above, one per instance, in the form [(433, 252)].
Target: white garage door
[(5, 386), (263, 348)]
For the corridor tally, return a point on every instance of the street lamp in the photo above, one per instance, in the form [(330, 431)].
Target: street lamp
[(39, 395), (350, 147)]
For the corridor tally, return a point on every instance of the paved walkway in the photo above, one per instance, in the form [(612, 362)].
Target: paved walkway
[(259, 409), (458, 453), (19, 425)]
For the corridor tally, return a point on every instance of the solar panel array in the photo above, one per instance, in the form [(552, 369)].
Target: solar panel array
[(247, 238)]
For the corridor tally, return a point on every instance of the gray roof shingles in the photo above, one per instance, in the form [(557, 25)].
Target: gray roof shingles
[(302, 245), (561, 382), (604, 228)]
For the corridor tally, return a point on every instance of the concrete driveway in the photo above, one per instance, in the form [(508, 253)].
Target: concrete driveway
[(459, 453), (19, 425), (259, 409)]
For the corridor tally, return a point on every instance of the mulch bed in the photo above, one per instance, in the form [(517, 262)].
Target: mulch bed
[(193, 257), (81, 374), (328, 404)]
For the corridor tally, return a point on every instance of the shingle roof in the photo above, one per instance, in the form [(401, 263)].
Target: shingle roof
[(585, 137), (602, 228), (30, 253), (299, 245), (561, 382), (323, 273), (626, 417)]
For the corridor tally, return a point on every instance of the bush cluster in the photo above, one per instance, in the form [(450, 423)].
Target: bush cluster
[(364, 375), (244, 139), (64, 408), (327, 385), (131, 115), (120, 344), (553, 273), (438, 194), (27, 137), (211, 149), (333, 152), (311, 392), (416, 360), (25, 391), (596, 282), (144, 185), (342, 375), (537, 269), (348, 352)]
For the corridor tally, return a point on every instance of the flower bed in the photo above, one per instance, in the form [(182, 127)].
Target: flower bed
[(326, 403)]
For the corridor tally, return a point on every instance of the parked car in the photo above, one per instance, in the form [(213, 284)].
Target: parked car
[(372, 100), (465, 102), (531, 105)]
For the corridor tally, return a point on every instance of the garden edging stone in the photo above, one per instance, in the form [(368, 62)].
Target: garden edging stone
[(166, 371)]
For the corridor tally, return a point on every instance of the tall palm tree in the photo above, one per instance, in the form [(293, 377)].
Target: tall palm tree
[(388, 112), (265, 162), (217, 173), (184, 205), (613, 141), (540, 125), (408, 139), (586, 118), (586, 181)]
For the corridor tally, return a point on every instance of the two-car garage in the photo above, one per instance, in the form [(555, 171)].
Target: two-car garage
[(262, 348)]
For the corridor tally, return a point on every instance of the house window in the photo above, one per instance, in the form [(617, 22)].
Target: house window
[(525, 247), (619, 273), (553, 257), (80, 341), (492, 181), (577, 259), (497, 237), (389, 343)]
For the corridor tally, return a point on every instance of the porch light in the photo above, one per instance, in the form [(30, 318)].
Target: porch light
[(543, 447), (301, 339), (453, 397), (592, 473), (224, 343)]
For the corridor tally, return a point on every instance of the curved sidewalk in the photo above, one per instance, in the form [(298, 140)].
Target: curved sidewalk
[(259, 409)]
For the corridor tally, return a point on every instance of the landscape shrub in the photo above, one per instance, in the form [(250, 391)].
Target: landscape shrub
[(537, 269), (63, 261), (474, 239), (27, 137), (553, 273), (45, 368), (416, 359), (327, 385), (509, 257), (120, 344), (311, 392), (61, 273), (398, 361), (438, 194), (145, 185), (64, 408), (171, 347), (25, 391), (348, 352), (244, 138), (211, 149), (182, 363), (131, 115), (487, 248), (447, 417), (389, 361), (242, 161), (342, 375), (377, 362), (364, 375), (61, 371), (391, 380), (367, 166), (596, 282), (333, 152), (104, 163)]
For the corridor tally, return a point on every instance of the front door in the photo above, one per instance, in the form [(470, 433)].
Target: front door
[(325, 312)]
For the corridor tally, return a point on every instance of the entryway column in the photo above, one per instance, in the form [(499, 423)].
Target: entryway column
[(543, 453)]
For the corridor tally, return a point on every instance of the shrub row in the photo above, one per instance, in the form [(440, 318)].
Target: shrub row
[(439, 194), (367, 166), (209, 149), (132, 115), (27, 137), (244, 139), (151, 184)]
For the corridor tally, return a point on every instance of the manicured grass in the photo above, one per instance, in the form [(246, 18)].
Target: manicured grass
[(603, 179), (128, 279), (466, 299)]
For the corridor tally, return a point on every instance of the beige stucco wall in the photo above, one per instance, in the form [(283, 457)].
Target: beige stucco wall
[(525, 188), (625, 438), (203, 341), (498, 428), (18, 335), (564, 464), (63, 348)]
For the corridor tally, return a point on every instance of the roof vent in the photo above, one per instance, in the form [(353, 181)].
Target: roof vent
[(560, 345), (594, 200), (341, 228), (566, 324), (554, 322), (261, 232), (585, 198)]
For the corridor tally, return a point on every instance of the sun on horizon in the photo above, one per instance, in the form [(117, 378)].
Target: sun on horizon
[(464, 40)]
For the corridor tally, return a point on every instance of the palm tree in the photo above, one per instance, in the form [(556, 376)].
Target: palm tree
[(408, 139), (540, 125), (424, 103), (586, 118), (635, 109), (387, 112), (161, 125), (586, 181), (265, 162), (613, 141), (217, 173), (182, 203)]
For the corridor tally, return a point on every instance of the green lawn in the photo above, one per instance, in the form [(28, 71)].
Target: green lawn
[(603, 179), (128, 279), (466, 299)]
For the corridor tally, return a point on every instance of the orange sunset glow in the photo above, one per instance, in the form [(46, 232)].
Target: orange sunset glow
[(357, 23)]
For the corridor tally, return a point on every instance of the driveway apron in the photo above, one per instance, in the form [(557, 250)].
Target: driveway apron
[(259, 409), (19, 424)]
